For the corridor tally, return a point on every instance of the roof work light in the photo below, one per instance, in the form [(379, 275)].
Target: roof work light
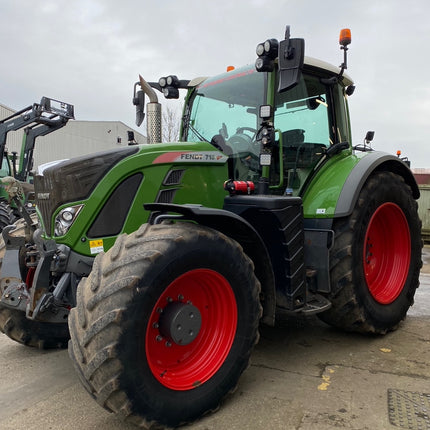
[(170, 86), (267, 53)]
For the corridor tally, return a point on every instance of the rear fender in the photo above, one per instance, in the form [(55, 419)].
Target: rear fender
[(375, 161), (334, 190)]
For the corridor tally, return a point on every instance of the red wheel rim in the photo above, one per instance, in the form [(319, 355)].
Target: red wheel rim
[(30, 276), (387, 253), (184, 367)]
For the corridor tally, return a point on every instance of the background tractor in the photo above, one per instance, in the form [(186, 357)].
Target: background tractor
[(163, 259), (37, 120)]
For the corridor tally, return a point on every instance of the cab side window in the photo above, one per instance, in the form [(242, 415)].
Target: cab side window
[(303, 132)]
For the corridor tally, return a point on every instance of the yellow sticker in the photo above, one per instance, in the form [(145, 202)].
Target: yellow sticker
[(96, 246)]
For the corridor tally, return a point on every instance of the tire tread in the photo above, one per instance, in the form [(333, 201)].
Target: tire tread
[(94, 327), (347, 311)]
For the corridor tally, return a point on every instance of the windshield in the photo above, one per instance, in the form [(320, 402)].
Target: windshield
[(5, 168), (224, 111)]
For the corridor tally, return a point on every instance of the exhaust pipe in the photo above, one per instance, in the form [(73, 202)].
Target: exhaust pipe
[(153, 119)]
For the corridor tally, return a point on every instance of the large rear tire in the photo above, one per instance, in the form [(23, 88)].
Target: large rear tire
[(165, 323), (376, 258), (14, 323)]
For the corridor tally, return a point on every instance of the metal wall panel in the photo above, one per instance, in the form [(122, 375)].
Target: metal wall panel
[(424, 211), (14, 138)]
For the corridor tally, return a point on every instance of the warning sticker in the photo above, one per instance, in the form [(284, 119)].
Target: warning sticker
[(96, 246)]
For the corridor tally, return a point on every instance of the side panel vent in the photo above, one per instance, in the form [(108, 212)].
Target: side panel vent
[(173, 177), (166, 196)]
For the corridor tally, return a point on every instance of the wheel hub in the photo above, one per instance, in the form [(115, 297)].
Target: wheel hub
[(180, 322)]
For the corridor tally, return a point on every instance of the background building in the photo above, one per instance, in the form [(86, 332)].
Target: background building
[(423, 178), (75, 139)]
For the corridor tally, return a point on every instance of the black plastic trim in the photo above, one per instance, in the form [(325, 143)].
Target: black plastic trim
[(111, 218)]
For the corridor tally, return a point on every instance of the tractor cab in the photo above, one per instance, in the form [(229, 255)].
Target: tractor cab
[(308, 120), (277, 121)]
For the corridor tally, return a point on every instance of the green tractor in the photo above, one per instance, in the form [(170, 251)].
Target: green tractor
[(37, 120), (162, 260)]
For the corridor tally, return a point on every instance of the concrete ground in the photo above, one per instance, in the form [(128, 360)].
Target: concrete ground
[(304, 375)]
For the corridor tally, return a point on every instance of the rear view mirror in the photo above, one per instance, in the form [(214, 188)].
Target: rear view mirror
[(291, 56), (139, 102), (369, 136), (290, 63)]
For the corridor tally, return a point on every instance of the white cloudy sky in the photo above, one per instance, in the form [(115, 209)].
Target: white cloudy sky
[(90, 52)]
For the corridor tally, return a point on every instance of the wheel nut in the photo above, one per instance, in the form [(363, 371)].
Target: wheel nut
[(159, 338)]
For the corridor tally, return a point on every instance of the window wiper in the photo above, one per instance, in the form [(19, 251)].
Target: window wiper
[(188, 127)]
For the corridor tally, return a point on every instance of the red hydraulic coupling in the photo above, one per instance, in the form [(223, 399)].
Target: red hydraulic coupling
[(239, 187)]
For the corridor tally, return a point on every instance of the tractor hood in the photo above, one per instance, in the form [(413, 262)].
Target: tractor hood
[(74, 179)]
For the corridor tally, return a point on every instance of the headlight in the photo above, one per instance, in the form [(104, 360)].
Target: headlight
[(173, 81), (260, 49), (267, 53), (65, 218)]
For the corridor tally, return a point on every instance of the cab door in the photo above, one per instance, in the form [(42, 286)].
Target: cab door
[(308, 119)]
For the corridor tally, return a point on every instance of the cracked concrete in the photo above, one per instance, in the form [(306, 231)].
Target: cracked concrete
[(304, 376)]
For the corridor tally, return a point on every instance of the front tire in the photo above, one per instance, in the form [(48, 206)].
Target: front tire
[(165, 323), (15, 324), (376, 258)]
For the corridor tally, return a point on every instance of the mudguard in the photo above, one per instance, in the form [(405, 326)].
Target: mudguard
[(360, 173), (336, 186)]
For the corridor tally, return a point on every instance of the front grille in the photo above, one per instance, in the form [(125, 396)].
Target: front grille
[(46, 208)]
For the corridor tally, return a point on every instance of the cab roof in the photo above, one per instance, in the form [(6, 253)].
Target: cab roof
[(308, 61), (319, 64)]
